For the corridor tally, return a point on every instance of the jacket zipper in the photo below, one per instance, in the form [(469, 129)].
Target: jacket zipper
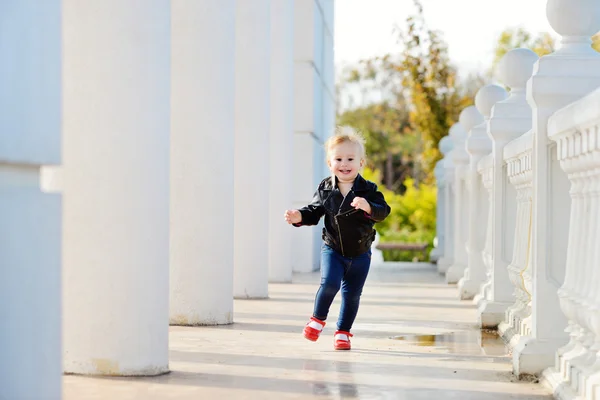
[(340, 235)]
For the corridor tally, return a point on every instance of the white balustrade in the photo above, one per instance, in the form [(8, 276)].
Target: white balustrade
[(445, 146), (558, 80), (576, 131), (510, 119), (468, 119), (478, 145)]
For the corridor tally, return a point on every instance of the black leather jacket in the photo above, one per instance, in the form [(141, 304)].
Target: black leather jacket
[(347, 230)]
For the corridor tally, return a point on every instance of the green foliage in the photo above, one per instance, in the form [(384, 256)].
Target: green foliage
[(412, 219)]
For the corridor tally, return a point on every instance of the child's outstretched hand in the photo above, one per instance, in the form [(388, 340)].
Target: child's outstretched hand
[(361, 204), (293, 216)]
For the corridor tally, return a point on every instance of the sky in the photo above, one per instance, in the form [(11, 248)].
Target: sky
[(364, 28)]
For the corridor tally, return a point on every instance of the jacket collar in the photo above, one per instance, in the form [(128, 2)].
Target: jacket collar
[(359, 185)]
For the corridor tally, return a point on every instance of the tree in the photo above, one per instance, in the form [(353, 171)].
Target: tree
[(378, 109), (432, 86)]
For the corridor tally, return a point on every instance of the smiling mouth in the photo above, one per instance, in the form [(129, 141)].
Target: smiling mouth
[(345, 171)]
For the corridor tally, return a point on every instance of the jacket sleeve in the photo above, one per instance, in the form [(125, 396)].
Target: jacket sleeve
[(312, 213), (379, 208)]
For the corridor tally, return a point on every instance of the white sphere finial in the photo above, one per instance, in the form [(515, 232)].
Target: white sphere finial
[(457, 133), (516, 67), (470, 117), (487, 96), (445, 145), (574, 17)]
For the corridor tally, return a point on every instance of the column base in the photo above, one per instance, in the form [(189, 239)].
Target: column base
[(491, 314), (104, 367), (454, 273), (435, 255), (195, 320), (250, 297), (532, 356), (443, 264), (561, 390), (468, 288)]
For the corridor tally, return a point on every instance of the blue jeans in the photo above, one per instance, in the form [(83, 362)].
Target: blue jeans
[(349, 273)]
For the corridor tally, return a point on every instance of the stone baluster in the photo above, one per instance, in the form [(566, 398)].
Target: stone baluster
[(116, 122), (468, 119), (252, 127), (30, 218), (510, 119), (447, 259), (445, 146), (559, 79), (517, 156), (202, 93), (478, 145), (485, 169)]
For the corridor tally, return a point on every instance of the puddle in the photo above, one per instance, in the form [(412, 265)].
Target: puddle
[(474, 342)]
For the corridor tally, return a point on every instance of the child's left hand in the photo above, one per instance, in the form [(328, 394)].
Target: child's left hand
[(361, 204)]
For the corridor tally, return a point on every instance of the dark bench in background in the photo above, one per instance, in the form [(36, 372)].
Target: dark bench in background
[(418, 247)]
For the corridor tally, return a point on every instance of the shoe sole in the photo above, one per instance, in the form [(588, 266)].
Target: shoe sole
[(311, 338)]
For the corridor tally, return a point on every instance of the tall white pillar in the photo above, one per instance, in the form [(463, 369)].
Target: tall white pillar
[(30, 220), (251, 155), (510, 119), (558, 79), (469, 118), (281, 139), (202, 143), (478, 145), (314, 117), (116, 73)]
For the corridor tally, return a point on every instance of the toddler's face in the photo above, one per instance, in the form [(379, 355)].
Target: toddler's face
[(345, 161)]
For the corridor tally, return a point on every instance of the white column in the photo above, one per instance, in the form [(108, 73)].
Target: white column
[(281, 139), (30, 220), (478, 145), (202, 140), (469, 118), (447, 259), (116, 73), (445, 145), (251, 156), (510, 119), (314, 117), (559, 79)]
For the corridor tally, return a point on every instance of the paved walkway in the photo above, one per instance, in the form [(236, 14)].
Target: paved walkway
[(413, 340)]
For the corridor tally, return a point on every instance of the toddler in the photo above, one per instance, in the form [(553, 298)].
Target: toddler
[(351, 206)]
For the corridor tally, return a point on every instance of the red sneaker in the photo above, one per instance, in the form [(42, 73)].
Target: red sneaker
[(342, 340), (313, 329)]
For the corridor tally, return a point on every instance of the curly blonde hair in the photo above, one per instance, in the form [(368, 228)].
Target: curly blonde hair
[(346, 134)]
